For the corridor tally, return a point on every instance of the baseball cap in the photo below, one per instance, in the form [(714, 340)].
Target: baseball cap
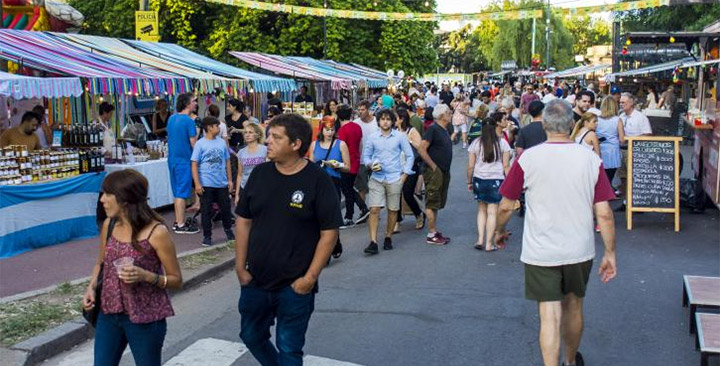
[(615, 89)]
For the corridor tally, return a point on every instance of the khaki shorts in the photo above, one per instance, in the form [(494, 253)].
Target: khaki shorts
[(437, 184), (622, 171), (553, 283), (383, 194), (361, 180)]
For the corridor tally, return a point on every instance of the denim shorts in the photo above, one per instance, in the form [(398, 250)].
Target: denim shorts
[(487, 190)]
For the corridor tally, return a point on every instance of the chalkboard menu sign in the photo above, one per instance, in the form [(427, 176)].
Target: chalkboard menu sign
[(653, 176)]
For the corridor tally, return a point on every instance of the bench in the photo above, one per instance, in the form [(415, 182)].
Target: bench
[(708, 336), (700, 292)]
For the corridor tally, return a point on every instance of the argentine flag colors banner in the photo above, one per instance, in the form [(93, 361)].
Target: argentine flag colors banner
[(38, 215)]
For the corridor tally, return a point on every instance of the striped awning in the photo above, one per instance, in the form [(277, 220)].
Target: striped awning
[(45, 52), (26, 87), (665, 66), (183, 56)]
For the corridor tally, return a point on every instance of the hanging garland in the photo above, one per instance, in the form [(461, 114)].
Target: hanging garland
[(436, 17)]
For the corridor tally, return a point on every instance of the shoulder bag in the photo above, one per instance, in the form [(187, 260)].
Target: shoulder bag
[(92, 314)]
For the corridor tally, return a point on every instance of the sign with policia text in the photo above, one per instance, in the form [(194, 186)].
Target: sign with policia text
[(146, 26), (436, 17)]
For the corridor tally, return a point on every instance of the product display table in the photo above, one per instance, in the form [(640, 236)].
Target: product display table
[(158, 176), (42, 214)]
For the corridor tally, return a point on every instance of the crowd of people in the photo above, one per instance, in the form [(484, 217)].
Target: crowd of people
[(548, 153)]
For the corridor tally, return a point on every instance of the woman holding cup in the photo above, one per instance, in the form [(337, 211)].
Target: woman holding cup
[(140, 264)]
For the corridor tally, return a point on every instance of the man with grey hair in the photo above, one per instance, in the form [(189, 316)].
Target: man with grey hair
[(564, 183), (436, 151), (633, 123)]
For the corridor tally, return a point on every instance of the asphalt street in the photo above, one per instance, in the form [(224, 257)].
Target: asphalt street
[(425, 305)]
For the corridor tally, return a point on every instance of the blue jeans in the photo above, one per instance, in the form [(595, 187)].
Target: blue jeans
[(113, 333), (258, 310)]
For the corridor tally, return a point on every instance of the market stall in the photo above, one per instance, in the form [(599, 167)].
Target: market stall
[(66, 206)]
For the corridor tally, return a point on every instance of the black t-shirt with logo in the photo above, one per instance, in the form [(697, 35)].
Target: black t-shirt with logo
[(440, 149), (287, 212)]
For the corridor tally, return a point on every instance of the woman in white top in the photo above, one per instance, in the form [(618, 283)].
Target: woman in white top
[(584, 132), (652, 98), (488, 163)]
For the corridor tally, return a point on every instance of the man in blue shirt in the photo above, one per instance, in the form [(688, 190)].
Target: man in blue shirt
[(381, 154), (213, 178), (181, 139)]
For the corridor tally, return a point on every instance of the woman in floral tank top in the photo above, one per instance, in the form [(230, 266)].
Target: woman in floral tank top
[(134, 301)]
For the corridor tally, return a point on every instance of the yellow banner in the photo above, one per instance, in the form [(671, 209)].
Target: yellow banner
[(373, 15), (436, 17), (146, 26), (631, 5)]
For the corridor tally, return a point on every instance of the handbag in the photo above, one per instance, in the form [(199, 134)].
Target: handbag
[(92, 314)]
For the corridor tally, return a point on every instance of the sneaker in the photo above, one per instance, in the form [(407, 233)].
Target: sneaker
[(363, 217), (436, 240), (372, 248), (206, 242), (464, 145), (443, 237), (387, 244), (186, 229), (578, 360), (347, 223), (597, 229), (230, 235)]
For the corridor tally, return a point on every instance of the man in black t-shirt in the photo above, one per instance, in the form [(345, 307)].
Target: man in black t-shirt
[(534, 133), (287, 227), (446, 96), (436, 150), (304, 97)]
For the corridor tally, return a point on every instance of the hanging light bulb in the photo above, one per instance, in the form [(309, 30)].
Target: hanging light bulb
[(427, 3), (672, 39), (374, 3), (628, 42)]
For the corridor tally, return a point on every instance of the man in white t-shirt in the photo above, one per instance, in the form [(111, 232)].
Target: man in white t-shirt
[(369, 126), (634, 123), (563, 183)]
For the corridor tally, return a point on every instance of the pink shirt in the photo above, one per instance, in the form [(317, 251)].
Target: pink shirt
[(142, 302)]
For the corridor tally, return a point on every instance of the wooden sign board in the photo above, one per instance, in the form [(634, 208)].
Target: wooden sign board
[(653, 183)]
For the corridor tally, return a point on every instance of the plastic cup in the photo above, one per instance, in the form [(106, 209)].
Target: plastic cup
[(122, 263)]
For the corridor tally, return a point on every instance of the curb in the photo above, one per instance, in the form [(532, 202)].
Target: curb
[(68, 335)]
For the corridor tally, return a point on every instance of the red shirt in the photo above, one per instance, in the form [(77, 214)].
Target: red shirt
[(351, 133)]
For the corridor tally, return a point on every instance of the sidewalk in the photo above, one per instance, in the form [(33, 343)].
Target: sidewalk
[(49, 266)]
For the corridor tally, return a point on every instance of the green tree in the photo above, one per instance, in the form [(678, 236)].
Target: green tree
[(588, 32), (111, 18), (670, 18), (514, 39), (382, 45)]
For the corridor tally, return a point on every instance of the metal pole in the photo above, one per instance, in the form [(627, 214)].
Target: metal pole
[(532, 52), (325, 32), (547, 37), (143, 5)]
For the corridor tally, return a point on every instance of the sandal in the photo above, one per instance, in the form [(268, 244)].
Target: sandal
[(479, 247), (420, 224), (493, 248)]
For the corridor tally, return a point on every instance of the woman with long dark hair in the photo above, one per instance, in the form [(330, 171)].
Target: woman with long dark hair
[(331, 109), (408, 188), (489, 162), (139, 264)]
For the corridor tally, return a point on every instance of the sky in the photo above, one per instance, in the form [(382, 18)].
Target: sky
[(474, 6)]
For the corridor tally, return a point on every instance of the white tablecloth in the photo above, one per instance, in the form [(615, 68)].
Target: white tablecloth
[(158, 176)]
